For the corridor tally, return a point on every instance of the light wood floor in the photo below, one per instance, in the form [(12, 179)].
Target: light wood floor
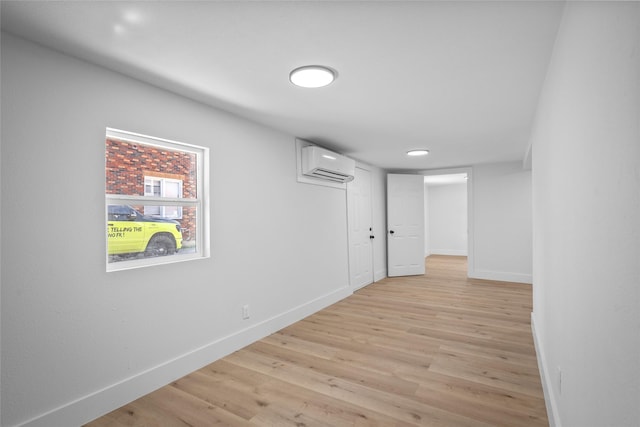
[(433, 350)]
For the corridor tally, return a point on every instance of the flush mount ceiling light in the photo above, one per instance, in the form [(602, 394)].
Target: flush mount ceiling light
[(420, 152), (312, 76)]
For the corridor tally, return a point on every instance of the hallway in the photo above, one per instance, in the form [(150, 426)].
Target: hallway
[(438, 349)]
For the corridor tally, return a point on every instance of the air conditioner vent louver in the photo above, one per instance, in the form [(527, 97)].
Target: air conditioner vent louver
[(333, 176), (320, 163)]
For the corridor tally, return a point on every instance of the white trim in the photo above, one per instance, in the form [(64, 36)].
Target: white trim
[(147, 262), (380, 274), (87, 408), (122, 199), (133, 138), (549, 398), (452, 252), (203, 220), (360, 286), (502, 276)]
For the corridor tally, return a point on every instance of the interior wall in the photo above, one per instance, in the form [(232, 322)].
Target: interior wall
[(446, 223), (502, 222), (77, 341), (586, 200)]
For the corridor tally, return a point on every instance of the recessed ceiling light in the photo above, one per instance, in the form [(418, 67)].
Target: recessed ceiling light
[(312, 76), (420, 152)]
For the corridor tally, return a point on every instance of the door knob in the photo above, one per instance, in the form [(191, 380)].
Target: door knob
[(391, 231)]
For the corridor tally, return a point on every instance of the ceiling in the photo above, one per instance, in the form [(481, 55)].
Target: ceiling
[(461, 79)]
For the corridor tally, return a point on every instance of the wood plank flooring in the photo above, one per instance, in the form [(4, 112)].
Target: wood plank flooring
[(433, 350)]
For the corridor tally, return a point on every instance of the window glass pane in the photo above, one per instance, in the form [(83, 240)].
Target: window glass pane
[(172, 188), (143, 169), (155, 211), (131, 234), (172, 212)]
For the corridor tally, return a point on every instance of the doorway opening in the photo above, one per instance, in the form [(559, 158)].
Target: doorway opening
[(448, 214)]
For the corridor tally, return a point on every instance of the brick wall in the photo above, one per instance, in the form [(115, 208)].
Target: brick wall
[(128, 163)]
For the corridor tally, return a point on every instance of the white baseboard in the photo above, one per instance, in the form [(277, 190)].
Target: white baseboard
[(549, 397), (453, 252), (93, 405), (379, 275), (501, 276)]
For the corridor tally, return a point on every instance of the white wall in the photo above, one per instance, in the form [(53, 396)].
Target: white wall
[(446, 223), (76, 341), (502, 222), (586, 200)]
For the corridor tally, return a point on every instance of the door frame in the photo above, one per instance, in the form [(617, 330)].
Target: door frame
[(470, 222)]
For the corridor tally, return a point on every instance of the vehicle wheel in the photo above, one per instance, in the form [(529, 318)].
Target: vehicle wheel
[(160, 245)]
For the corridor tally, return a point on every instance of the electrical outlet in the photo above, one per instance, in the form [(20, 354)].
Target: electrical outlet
[(245, 311)]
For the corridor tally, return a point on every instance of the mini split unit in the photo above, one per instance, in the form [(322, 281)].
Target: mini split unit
[(320, 163)]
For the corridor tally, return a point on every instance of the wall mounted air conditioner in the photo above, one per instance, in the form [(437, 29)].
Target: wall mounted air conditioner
[(321, 163)]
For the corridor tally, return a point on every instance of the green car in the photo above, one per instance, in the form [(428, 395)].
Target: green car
[(131, 233)]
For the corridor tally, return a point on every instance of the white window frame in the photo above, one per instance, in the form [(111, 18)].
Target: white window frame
[(200, 202), (163, 182)]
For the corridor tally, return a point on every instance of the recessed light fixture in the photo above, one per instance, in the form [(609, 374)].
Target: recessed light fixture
[(312, 76), (420, 152)]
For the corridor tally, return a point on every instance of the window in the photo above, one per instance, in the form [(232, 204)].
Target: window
[(156, 201), (163, 187)]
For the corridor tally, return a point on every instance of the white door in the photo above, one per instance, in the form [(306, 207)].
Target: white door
[(359, 211), (405, 225)]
